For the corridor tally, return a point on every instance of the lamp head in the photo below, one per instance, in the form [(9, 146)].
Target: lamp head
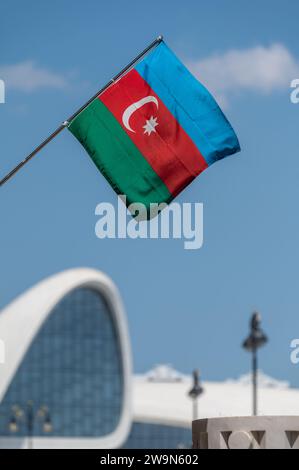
[(196, 389), (257, 337)]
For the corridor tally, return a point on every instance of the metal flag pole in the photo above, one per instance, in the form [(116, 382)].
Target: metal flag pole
[(67, 121)]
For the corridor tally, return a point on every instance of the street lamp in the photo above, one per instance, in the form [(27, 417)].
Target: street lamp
[(255, 340), (195, 392), (28, 415)]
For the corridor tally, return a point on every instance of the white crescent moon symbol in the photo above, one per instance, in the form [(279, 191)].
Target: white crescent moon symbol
[(133, 107)]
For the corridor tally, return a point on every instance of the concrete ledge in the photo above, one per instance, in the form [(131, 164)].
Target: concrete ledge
[(248, 432)]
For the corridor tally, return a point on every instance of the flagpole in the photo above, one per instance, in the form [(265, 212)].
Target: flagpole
[(67, 121)]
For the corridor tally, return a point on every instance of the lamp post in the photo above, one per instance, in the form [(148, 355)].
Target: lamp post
[(255, 340), (195, 392), (28, 416)]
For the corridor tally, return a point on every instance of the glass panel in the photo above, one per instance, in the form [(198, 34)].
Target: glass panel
[(73, 367), (158, 436)]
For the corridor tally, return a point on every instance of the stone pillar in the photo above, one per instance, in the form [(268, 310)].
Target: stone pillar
[(248, 432)]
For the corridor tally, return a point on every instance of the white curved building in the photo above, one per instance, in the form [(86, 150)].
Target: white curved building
[(166, 399), (67, 351), (162, 409)]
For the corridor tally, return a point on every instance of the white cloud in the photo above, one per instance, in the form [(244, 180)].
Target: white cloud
[(261, 69), (28, 76)]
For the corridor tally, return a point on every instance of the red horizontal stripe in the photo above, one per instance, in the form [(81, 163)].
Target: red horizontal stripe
[(169, 150)]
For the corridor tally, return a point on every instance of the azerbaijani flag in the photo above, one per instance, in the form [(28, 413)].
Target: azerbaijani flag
[(154, 130)]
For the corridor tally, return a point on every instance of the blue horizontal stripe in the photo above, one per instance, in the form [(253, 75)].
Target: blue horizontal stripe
[(190, 103)]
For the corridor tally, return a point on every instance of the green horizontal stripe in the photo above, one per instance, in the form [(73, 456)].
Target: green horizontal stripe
[(117, 157)]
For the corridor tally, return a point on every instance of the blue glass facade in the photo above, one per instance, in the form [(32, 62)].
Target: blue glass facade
[(158, 436), (73, 367)]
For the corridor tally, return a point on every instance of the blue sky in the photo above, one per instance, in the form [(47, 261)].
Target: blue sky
[(187, 308)]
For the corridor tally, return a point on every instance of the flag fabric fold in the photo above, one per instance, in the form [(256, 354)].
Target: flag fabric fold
[(154, 130)]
